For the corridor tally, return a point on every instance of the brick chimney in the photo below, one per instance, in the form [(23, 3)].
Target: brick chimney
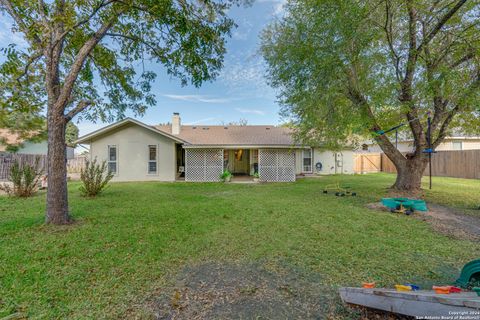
[(176, 124)]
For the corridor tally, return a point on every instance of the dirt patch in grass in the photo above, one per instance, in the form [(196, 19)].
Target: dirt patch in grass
[(445, 220), (245, 291)]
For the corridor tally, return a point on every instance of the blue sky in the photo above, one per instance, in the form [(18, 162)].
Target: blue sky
[(240, 91)]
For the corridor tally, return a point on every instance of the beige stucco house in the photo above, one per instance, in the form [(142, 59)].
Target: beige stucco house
[(136, 151)]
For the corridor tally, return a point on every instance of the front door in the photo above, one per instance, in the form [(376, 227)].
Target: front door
[(241, 161)]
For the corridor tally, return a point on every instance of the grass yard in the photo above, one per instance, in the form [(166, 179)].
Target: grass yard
[(129, 243)]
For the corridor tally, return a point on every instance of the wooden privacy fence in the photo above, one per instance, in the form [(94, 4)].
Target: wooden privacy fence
[(367, 162), (8, 159), (457, 164), (76, 164)]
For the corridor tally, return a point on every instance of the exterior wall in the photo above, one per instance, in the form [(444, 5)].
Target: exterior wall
[(34, 148), (38, 148), (334, 162), (132, 143)]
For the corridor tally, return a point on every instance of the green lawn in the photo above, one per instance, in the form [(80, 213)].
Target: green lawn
[(128, 243)]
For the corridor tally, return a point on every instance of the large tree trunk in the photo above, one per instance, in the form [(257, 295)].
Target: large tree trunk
[(409, 173), (57, 198)]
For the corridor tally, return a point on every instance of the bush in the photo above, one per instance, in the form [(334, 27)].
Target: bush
[(226, 176), (25, 179), (95, 178)]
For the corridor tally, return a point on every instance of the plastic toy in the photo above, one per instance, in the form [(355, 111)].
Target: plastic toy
[(441, 290), (454, 289), (339, 190), (414, 287), (470, 274), (401, 287), (368, 285), (404, 205)]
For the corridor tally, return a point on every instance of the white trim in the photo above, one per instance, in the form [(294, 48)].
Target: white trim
[(88, 137), (239, 146)]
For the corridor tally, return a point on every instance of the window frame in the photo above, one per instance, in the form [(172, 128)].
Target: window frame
[(457, 143), (152, 173), (110, 146), (311, 161)]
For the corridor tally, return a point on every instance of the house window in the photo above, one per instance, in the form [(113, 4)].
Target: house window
[(457, 145), (307, 160), (152, 159), (112, 159)]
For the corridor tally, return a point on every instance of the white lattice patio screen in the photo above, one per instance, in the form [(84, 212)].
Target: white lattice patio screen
[(203, 164), (276, 165)]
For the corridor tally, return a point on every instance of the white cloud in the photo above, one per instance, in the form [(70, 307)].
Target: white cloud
[(278, 6), (200, 121), (7, 36), (244, 30), (197, 98), (252, 111), (244, 75)]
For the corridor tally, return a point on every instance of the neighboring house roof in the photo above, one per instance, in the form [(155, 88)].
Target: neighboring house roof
[(205, 135), (87, 138), (9, 137), (400, 140)]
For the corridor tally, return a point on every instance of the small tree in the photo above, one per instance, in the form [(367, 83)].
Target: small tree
[(25, 179), (95, 178)]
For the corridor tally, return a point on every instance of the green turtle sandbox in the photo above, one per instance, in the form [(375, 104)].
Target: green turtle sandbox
[(404, 205), (470, 274)]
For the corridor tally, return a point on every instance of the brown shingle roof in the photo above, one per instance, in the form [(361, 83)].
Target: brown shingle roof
[(233, 135)]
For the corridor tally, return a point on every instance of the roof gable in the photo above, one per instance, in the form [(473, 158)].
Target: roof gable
[(105, 130)]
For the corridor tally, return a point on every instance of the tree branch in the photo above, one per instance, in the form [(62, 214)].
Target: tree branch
[(389, 34), (82, 105), (357, 98), (440, 24), (443, 129), (82, 22), (475, 85), (31, 60), (136, 38), (79, 61)]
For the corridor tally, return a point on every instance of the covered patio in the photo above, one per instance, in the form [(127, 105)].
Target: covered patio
[(272, 164)]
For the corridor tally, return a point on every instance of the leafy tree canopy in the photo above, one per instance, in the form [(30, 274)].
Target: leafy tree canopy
[(349, 68), (101, 47)]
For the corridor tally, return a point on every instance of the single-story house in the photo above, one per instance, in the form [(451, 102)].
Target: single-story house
[(136, 151), (450, 143), (25, 146)]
